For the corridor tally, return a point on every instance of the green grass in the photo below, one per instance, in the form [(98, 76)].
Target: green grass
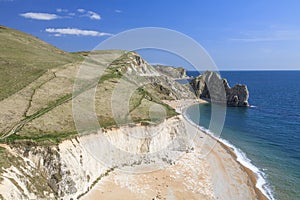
[(106, 122), (50, 138), (109, 76), (52, 105), (24, 58), (136, 99)]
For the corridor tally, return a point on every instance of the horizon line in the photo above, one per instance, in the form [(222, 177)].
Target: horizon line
[(250, 70)]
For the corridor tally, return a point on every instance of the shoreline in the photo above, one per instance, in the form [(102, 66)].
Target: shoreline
[(218, 175), (250, 173), (253, 176)]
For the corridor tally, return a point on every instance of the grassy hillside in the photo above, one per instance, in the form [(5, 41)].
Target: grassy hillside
[(24, 58), (36, 88), (42, 111)]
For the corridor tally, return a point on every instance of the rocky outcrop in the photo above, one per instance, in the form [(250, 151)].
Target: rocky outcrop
[(210, 86), (237, 95), (134, 68), (131, 63), (172, 72)]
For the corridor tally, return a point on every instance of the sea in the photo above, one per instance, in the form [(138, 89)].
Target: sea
[(266, 135)]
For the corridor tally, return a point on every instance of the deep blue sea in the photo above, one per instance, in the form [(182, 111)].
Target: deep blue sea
[(269, 131)]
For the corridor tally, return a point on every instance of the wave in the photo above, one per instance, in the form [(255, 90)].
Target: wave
[(241, 157), (261, 182)]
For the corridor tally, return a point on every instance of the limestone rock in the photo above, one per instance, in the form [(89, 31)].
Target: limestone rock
[(172, 72), (212, 87)]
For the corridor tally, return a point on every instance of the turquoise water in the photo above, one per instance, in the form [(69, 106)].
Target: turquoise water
[(269, 131)]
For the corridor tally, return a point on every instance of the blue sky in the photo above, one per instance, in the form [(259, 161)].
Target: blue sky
[(239, 35)]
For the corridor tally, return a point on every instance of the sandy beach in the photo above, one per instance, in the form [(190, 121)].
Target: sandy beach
[(216, 175)]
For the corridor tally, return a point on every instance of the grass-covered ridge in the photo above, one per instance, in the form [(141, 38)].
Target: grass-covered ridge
[(24, 58), (46, 112)]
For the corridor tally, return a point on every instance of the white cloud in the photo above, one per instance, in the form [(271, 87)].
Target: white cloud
[(81, 10), (64, 13), (75, 31), (118, 11), (89, 14), (93, 15), (40, 16), (61, 10)]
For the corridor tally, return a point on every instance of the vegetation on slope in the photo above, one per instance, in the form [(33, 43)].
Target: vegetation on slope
[(48, 117), (24, 58)]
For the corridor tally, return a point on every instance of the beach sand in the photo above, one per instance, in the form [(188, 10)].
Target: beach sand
[(195, 175)]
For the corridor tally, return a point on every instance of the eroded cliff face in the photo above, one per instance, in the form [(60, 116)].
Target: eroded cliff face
[(211, 87), (69, 170), (172, 72), (50, 172)]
